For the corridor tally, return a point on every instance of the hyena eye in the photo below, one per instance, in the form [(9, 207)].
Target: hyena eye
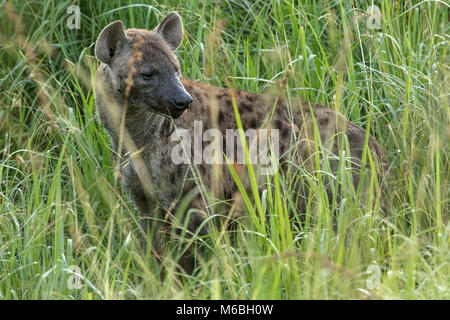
[(147, 75)]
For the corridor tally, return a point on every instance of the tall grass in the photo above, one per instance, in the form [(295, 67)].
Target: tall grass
[(61, 204)]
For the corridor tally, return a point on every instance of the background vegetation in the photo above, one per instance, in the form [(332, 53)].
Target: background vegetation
[(61, 205)]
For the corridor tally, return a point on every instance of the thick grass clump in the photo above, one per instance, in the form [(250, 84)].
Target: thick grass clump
[(62, 210)]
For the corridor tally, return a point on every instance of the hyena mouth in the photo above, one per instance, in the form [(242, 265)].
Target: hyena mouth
[(171, 114), (176, 114)]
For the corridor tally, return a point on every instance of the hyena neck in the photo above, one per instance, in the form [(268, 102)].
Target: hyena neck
[(146, 125)]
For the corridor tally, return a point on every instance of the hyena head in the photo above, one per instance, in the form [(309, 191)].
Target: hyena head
[(142, 67)]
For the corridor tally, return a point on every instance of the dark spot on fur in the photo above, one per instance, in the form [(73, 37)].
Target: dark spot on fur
[(221, 116), (278, 124), (247, 107), (323, 122), (253, 123), (222, 95), (279, 111), (179, 171)]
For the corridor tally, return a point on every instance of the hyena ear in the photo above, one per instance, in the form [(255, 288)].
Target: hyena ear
[(109, 40), (171, 30)]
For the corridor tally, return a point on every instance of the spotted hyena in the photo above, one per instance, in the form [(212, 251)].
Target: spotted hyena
[(142, 100)]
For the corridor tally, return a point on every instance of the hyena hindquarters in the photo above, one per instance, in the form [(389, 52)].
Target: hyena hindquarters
[(141, 100), (342, 145)]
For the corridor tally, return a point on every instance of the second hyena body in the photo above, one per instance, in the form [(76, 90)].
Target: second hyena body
[(140, 73)]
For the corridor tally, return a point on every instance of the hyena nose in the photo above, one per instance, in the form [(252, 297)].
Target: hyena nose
[(182, 102)]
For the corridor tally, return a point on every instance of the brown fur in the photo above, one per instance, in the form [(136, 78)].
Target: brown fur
[(149, 129)]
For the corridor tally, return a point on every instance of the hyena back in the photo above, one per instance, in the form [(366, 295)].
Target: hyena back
[(139, 85)]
